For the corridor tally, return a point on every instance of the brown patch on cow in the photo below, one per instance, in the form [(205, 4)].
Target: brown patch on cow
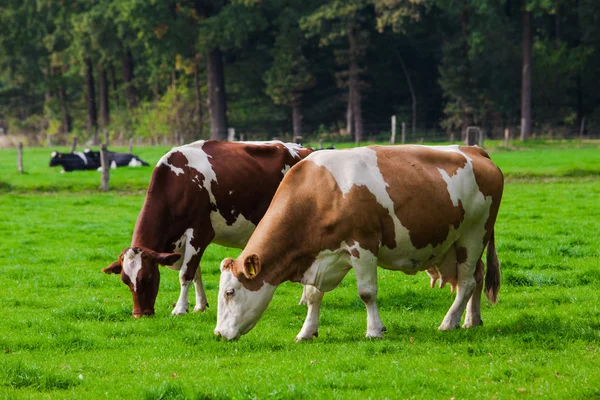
[(425, 210), (461, 254)]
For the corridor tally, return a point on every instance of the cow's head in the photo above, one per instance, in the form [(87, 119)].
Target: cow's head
[(55, 159), (138, 268), (243, 296)]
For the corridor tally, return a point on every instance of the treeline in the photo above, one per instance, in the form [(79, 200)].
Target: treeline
[(189, 69)]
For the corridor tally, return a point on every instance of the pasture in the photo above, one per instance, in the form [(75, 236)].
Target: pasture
[(66, 329)]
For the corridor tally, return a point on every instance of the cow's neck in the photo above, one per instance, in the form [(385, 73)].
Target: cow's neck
[(153, 230)]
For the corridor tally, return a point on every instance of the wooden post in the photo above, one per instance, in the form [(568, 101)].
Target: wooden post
[(106, 136), (320, 144), (473, 136), (241, 137), (231, 134), (74, 144), (105, 167), (20, 157), (506, 137), (403, 138), (393, 137), (130, 145)]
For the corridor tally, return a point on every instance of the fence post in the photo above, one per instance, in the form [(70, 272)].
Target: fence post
[(320, 144), (231, 134), (506, 137), (106, 136), (452, 137), (130, 145), (20, 157), (105, 167), (393, 137), (74, 144), (403, 136), (474, 138)]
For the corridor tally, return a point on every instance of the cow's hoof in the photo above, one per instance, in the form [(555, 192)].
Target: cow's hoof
[(374, 335), (201, 308), (448, 327), (472, 324), (302, 338), (179, 311)]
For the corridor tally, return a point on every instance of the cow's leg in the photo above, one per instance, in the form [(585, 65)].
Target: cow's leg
[(465, 287), (303, 298), (473, 315), (201, 302), (366, 277), (311, 325)]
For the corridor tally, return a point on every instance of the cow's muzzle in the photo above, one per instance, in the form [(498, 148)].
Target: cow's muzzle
[(145, 313)]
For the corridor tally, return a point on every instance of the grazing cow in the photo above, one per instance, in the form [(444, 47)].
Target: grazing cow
[(204, 192), (406, 208), (74, 161)]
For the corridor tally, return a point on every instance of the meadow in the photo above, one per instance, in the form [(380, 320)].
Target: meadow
[(66, 330)]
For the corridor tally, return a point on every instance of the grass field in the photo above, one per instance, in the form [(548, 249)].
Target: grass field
[(66, 329)]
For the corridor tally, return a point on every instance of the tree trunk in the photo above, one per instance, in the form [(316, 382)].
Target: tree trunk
[(199, 110), (297, 118), (217, 103), (66, 116), (113, 83), (130, 91), (354, 83), (349, 117), (412, 94), (580, 111), (90, 100), (526, 76), (103, 96)]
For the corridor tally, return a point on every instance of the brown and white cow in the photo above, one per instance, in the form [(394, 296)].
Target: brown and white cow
[(406, 208), (203, 192)]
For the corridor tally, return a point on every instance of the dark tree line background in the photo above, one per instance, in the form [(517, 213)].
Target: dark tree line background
[(189, 69)]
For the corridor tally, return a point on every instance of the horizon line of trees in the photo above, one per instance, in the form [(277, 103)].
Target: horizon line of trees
[(190, 69)]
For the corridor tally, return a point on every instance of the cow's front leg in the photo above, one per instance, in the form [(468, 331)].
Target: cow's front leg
[(310, 328), (181, 307), (201, 302), (465, 287), (366, 277)]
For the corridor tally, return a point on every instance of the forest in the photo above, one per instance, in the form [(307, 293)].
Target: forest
[(173, 71)]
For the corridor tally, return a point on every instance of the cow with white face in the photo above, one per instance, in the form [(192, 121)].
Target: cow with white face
[(204, 192), (405, 208)]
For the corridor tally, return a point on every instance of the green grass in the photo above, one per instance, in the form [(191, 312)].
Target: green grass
[(66, 330)]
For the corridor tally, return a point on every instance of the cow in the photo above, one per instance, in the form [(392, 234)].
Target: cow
[(204, 192), (407, 208), (119, 159), (75, 161)]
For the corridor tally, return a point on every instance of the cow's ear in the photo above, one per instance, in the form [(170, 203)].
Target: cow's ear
[(114, 268), (227, 264), (168, 258), (251, 266)]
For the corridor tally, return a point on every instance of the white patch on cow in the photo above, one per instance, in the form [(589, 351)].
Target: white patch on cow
[(234, 235), (292, 148), (135, 162), (358, 167), (54, 154), (132, 264), (285, 169), (82, 156), (239, 312), (113, 164)]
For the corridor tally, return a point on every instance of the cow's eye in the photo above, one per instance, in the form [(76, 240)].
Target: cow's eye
[(230, 292)]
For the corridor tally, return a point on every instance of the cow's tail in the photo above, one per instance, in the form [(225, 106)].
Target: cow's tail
[(492, 275)]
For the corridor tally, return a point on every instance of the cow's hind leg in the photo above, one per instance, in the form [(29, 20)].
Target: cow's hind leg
[(465, 287), (473, 315), (310, 328)]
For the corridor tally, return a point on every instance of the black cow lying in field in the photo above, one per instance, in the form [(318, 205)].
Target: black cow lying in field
[(89, 159), (75, 161)]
